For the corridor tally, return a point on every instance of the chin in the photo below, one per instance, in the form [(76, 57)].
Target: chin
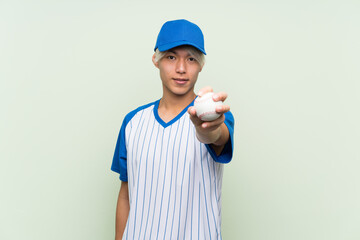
[(178, 90), (181, 91)]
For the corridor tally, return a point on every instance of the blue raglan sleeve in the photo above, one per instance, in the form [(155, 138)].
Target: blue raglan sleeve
[(120, 155), (119, 163), (227, 152)]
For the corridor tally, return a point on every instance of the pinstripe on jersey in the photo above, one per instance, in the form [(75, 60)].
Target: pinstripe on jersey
[(174, 180)]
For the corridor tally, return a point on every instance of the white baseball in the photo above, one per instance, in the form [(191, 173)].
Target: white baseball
[(206, 107)]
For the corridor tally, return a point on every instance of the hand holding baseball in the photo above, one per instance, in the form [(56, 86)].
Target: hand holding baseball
[(209, 131), (205, 107)]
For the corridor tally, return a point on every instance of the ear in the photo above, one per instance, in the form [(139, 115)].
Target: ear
[(201, 67), (155, 63)]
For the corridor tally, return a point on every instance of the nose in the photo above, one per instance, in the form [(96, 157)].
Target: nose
[(181, 66)]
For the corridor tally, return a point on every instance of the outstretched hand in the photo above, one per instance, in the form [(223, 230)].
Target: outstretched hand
[(214, 132)]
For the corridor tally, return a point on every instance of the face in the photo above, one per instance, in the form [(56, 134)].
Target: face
[(178, 72)]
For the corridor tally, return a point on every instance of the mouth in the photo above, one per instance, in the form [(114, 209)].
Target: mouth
[(181, 81)]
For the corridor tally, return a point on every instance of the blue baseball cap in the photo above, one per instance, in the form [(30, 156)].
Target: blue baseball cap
[(179, 32)]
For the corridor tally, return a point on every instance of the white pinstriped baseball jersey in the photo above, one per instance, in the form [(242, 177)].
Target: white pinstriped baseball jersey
[(174, 180)]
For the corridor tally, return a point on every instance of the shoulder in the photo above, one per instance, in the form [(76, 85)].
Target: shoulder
[(229, 115), (229, 118), (131, 114)]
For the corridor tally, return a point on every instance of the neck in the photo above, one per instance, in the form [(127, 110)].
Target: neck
[(174, 103), (171, 106)]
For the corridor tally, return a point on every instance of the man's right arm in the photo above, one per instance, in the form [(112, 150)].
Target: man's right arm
[(122, 210)]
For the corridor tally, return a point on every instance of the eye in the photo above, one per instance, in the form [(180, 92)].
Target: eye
[(171, 57), (191, 59)]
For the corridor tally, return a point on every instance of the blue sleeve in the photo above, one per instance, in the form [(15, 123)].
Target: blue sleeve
[(227, 153), (120, 155), (119, 162)]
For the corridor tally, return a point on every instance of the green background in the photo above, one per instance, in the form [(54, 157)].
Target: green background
[(71, 70)]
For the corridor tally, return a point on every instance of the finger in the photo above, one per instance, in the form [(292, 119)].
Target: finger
[(196, 121), (204, 90), (193, 117), (192, 111), (222, 109), (213, 124), (220, 96)]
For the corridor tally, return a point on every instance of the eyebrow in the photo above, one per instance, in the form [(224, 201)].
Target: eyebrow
[(174, 52)]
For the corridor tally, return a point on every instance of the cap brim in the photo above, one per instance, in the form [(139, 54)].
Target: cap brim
[(168, 46)]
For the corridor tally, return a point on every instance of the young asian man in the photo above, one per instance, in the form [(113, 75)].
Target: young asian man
[(170, 162)]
